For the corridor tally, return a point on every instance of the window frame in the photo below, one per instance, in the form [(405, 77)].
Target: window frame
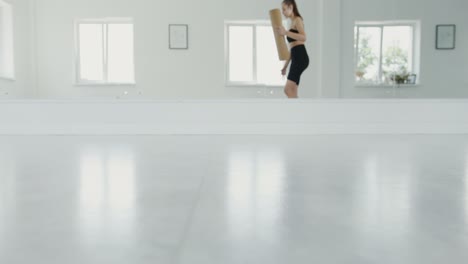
[(9, 36), (104, 23), (247, 23), (413, 58)]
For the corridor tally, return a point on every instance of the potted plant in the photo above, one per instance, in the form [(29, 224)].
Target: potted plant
[(360, 74), (399, 78)]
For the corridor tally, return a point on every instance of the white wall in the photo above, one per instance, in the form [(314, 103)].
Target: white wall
[(198, 73), (329, 57), (160, 73), (23, 85), (443, 74), (241, 116)]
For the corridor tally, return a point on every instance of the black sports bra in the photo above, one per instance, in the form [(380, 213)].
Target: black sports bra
[(291, 39)]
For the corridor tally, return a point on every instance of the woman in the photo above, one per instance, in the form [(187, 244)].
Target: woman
[(296, 37)]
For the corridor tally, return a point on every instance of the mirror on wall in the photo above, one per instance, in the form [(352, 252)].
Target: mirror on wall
[(181, 49)]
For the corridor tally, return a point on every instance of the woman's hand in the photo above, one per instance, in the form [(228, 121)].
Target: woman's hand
[(281, 31), (283, 71)]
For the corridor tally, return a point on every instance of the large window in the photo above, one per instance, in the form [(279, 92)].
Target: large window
[(385, 52), (251, 55), (7, 69), (105, 52)]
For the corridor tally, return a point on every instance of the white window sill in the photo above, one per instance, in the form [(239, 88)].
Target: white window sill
[(358, 85), (9, 79), (105, 84), (253, 85)]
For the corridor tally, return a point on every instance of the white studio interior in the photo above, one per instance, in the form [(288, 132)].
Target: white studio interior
[(138, 131)]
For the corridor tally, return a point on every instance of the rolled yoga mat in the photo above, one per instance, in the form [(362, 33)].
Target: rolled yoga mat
[(277, 21)]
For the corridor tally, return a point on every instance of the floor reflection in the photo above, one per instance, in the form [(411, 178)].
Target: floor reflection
[(7, 191), (384, 203), (255, 193), (466, 192), (107, 194)]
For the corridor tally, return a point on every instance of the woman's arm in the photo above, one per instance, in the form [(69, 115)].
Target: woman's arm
[(301, 36), (286, 64)]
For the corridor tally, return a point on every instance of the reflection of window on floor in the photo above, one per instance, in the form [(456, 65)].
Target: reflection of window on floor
[(7, 69), (254, 192), (105, 52), (385, 52), (107, 193), (251, 55)]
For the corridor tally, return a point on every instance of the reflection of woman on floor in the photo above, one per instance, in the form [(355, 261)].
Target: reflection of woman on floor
[(296, 37)]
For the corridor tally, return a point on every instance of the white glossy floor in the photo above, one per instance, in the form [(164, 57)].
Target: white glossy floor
[(234, 199)]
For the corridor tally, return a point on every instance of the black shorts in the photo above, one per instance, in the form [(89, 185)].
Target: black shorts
[(299, 62)]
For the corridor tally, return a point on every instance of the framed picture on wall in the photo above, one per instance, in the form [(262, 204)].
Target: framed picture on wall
[(178, 36), (445, 37)]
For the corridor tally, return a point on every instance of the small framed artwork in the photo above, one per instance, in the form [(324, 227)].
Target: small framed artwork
[(178, 36), (445, 37)]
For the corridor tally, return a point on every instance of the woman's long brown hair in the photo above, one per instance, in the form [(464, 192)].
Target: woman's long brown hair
[(295, 9)]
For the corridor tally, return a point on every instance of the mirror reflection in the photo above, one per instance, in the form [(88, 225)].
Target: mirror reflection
[(181, 49)]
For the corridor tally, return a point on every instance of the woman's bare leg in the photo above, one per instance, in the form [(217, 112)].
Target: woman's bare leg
[(291, 89)]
